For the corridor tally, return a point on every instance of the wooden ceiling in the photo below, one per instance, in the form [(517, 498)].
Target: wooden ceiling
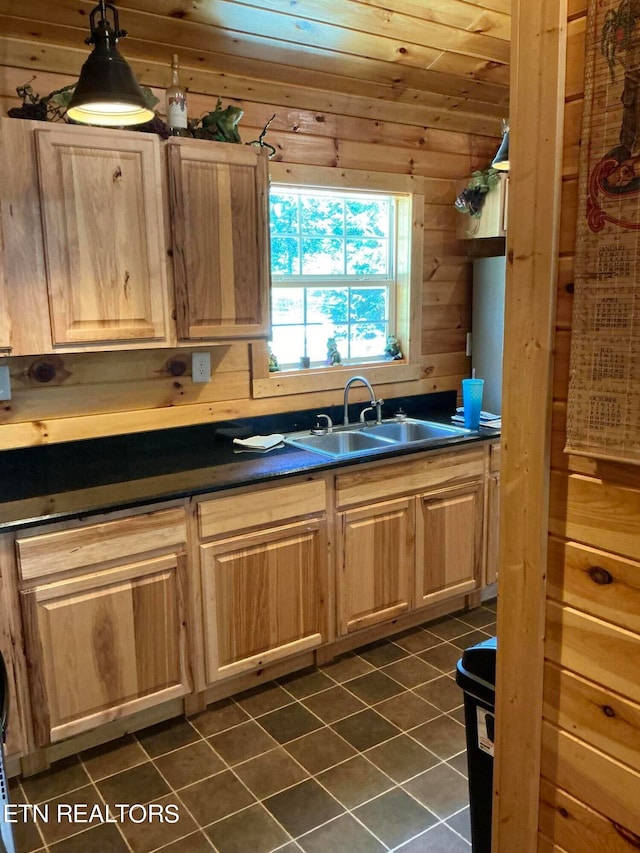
[(434, 63)]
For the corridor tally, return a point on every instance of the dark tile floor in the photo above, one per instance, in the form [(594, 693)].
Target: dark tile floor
[(365, 754)]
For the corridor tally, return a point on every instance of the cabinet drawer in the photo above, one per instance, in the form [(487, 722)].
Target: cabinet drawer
[(494, 458), (260, 508), (595, 582), (83, 547), (416, 475)]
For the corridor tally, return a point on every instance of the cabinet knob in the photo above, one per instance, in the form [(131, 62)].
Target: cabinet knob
[(600, 576)]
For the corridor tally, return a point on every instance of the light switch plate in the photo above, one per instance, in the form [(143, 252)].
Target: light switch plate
[(201, 366), (5, 383)]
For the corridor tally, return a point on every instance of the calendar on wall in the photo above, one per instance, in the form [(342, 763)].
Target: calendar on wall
[(603, 415)]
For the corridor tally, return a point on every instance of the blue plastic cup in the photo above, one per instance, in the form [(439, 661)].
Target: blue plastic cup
[(472, 402)]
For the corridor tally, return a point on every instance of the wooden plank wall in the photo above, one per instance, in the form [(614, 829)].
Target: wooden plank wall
[(590, 758), (119, 392)]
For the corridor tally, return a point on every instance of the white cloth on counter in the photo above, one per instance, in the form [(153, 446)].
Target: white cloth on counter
[(260, 442)]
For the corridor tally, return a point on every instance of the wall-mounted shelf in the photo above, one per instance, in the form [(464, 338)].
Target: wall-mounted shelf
[(493, 220)]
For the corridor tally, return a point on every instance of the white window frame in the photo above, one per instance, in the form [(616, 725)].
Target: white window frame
[(330, 282), (409, 190)]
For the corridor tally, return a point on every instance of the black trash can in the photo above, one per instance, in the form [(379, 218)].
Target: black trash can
[(476, 674)]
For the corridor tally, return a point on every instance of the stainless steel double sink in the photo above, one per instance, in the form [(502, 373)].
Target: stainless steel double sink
[(361, 439)]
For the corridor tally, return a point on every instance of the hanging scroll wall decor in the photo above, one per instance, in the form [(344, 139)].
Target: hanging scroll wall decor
[(603, 417)]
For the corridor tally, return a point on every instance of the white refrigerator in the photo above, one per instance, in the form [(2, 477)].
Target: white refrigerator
[(487, 328)]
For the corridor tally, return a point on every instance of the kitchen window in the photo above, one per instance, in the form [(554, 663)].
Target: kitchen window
[(346, 264), (333, 275)]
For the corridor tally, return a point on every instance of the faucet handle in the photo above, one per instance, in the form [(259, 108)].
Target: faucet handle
[(321, 430), (363, 413), (379, 404)]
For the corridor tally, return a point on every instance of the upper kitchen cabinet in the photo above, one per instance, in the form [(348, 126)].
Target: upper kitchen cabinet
[(23, 292), (219, 223), (85, 239), (102, 212)]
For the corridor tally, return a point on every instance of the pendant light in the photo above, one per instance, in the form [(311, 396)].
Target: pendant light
[(501, 160), (107, 92)]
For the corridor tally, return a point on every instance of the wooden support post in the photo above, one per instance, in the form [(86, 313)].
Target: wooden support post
[(537, 98)]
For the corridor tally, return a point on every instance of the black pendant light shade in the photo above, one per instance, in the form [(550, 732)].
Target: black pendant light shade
[(107, 92), (501, 160)]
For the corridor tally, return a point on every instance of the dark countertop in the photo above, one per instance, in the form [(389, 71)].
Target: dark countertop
[(44, 484)]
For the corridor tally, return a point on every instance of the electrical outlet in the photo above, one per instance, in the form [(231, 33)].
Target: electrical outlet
[(201, 366), (5, 383)]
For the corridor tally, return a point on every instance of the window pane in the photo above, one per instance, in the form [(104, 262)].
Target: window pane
[(317, 342), (287, 305), (368, 304), (335, 248), (283, 213), (321, 215), (368, 340), (288, 344), (327, 305), (367, 218), (367, 257), (284, 256), (322, 256)]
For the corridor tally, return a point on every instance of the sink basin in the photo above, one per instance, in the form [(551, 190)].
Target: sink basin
[(411, 430), (359, 440), (340, 443)]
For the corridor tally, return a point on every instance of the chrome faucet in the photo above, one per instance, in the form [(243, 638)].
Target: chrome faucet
[(374, 401)]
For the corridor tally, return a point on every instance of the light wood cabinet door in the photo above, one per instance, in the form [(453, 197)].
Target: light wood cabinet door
[(265, 596), (449, 545), (376, 565), (220, 240), (106, 644), (493, 528), (102, 210)]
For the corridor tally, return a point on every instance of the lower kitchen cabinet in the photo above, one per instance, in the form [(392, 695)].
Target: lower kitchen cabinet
[(109, 640), (264, 596), (449, 543), (375, 568), (419, 546), (265, 591)]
